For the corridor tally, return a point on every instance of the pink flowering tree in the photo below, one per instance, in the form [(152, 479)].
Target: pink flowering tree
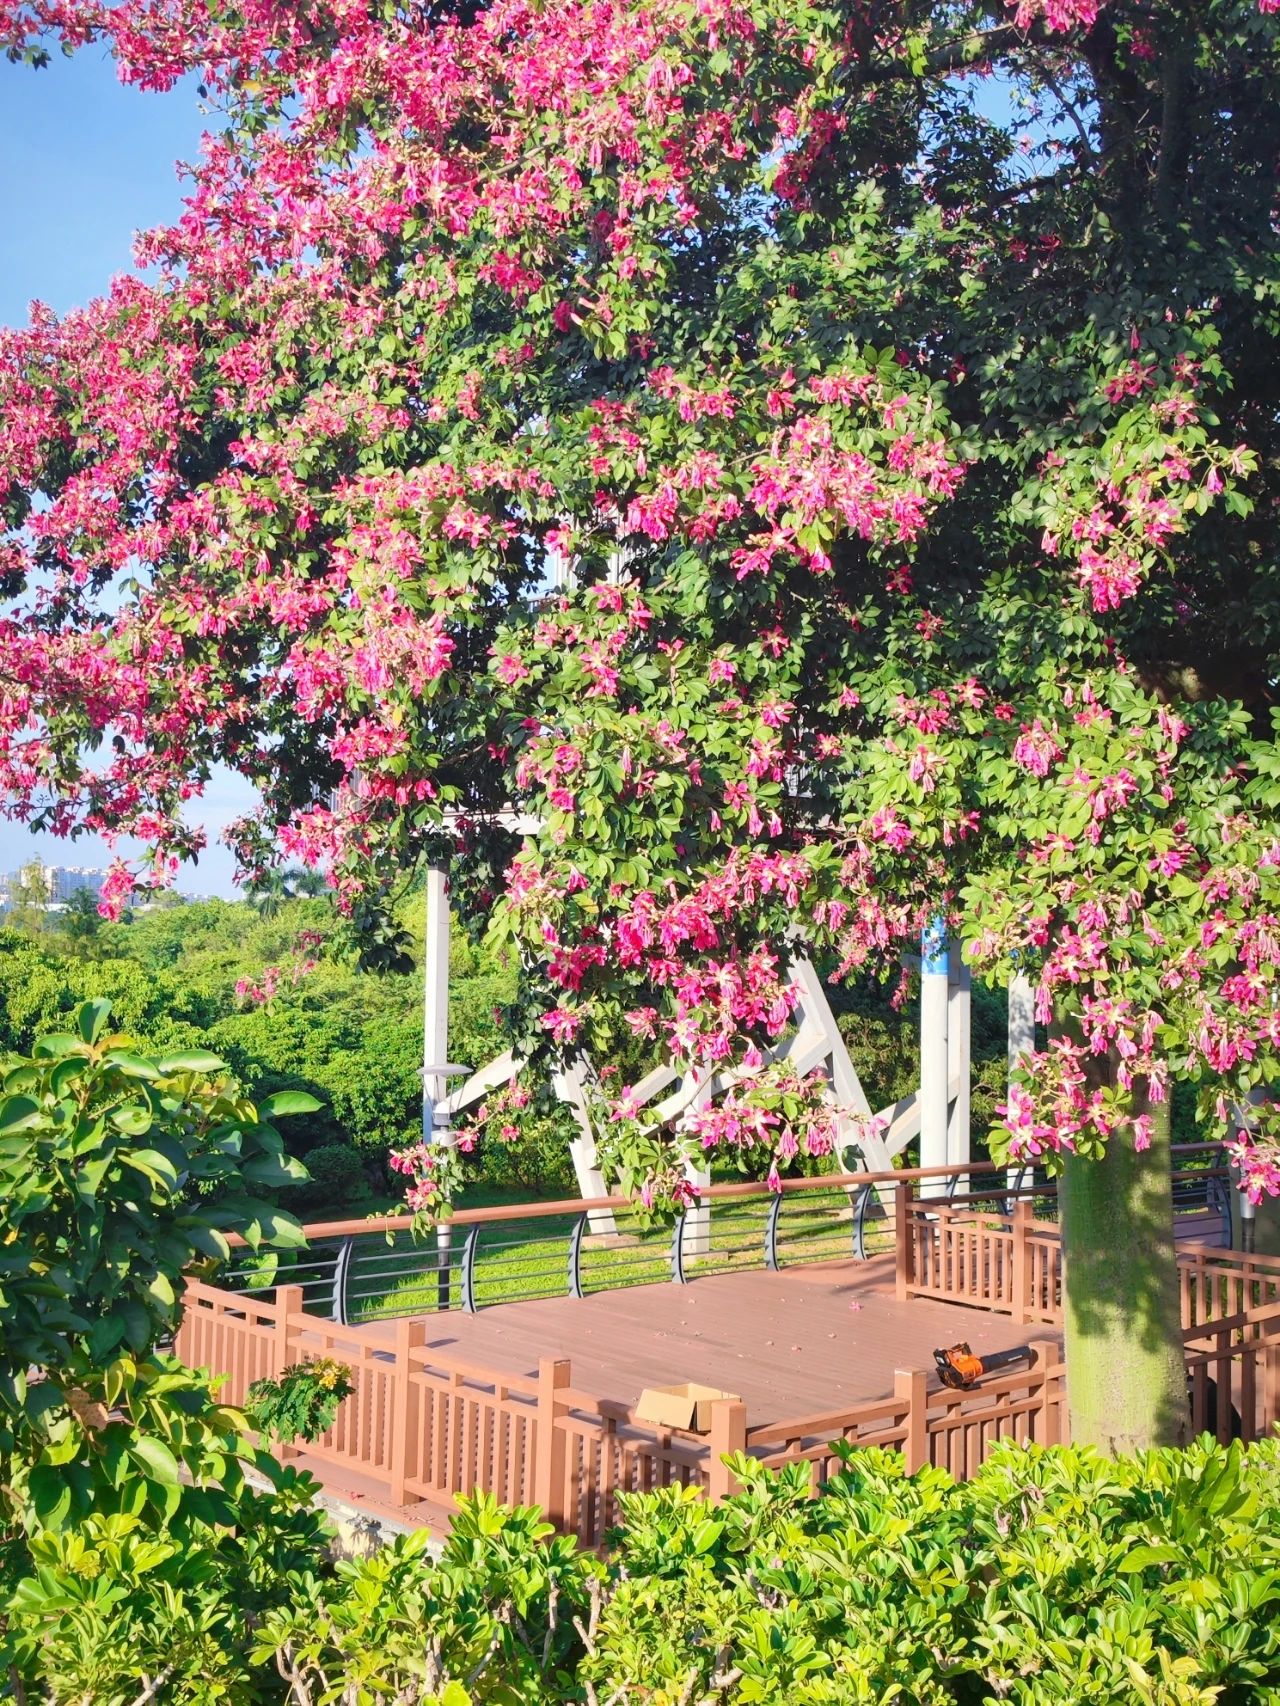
[(820, 462)]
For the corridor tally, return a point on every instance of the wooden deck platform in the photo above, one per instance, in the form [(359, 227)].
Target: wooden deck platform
[(802, 1341), (795, 1342)]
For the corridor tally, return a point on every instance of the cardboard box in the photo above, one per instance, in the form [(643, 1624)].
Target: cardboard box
[(687, 1406)]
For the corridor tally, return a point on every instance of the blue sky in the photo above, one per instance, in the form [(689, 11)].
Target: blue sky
[(85, 163)]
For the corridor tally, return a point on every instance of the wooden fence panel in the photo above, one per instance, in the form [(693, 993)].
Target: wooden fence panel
[(361, 1437), (1233, 1370), (810, 1439), (607, 1452), (232, 1334), (1216, 1283), (469, 1429), (980, 1259), (423, 1425), (1029, 1406)]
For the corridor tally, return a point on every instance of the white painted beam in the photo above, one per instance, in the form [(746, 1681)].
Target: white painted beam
[(934, 1086), (1022, 1040), (570, 1085), (499, 1071)]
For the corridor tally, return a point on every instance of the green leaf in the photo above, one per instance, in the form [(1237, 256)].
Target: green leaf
[(207, 1239), (273, 1171), (136, 1321), (50, 1495), (289, 1102), (133, 1121), (191, 1060), (18, 1113), (132, 1065), (151, 1162), (155, 1458), (1140, 1557), (91, 1019)]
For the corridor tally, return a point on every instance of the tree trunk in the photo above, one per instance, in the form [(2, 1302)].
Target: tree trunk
[(1126, 1376)]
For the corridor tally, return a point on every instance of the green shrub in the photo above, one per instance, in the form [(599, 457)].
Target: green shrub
[(337, 1178), (496, 1619), (1053, 1576), (136, 1554), (303, 1402)]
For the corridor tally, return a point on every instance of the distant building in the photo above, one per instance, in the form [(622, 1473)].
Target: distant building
[(66, 880), (60, 881)]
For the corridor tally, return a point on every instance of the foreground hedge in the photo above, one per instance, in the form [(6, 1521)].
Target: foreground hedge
[(1053, 1576)]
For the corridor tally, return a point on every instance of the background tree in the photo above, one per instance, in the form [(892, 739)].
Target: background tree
[(268, 890), (28, 909), (822, 462), (81, 922)]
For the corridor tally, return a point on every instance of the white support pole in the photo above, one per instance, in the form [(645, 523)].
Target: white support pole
[(934, 1098), (570, 1086), (435, 1039), (695, 1238), (435, 1003), (697, 1220), (959, 1064), (1022, 1039)]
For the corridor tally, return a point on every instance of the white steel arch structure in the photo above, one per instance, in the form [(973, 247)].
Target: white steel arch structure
[(937, 1112)]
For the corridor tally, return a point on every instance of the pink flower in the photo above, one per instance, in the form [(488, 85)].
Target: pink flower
[(511, 669), (563, 1023), (1036, 749)]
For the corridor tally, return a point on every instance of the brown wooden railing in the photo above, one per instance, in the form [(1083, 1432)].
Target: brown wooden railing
[(966, 1251), (992, 1252), (930, 1424), (1233, 1371), (422, 1425)]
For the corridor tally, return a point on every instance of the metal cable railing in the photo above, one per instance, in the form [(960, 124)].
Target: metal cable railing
[(356, 1271)]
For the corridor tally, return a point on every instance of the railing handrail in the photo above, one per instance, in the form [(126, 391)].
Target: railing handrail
[(535, 1210), (1256, 1315), (1190, 1251), (540, 1210)]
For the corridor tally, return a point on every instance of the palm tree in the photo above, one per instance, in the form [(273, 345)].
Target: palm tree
[(268, 891)]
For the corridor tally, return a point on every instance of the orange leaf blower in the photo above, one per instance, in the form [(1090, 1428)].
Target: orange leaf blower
[(960, 1369)]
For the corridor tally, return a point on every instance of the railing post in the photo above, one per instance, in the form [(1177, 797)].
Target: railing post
[(903, 1239), (288, 1302), (1020, 1225), (1043, 1355), (575, 1256), (444, 1266), (677, 1251), (858, 1203), (410, 1334), (341, 1276), (771, 1234), (469, 1269), (550, 1447), (726, 1438), (911, 1388)]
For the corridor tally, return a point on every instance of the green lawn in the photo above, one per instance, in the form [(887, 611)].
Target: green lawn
[(529, 1258)]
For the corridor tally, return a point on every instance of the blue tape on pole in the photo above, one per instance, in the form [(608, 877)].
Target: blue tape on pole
[(933, 948)]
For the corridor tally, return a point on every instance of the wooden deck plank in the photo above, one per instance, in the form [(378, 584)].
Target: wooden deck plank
[(801, 1341)]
